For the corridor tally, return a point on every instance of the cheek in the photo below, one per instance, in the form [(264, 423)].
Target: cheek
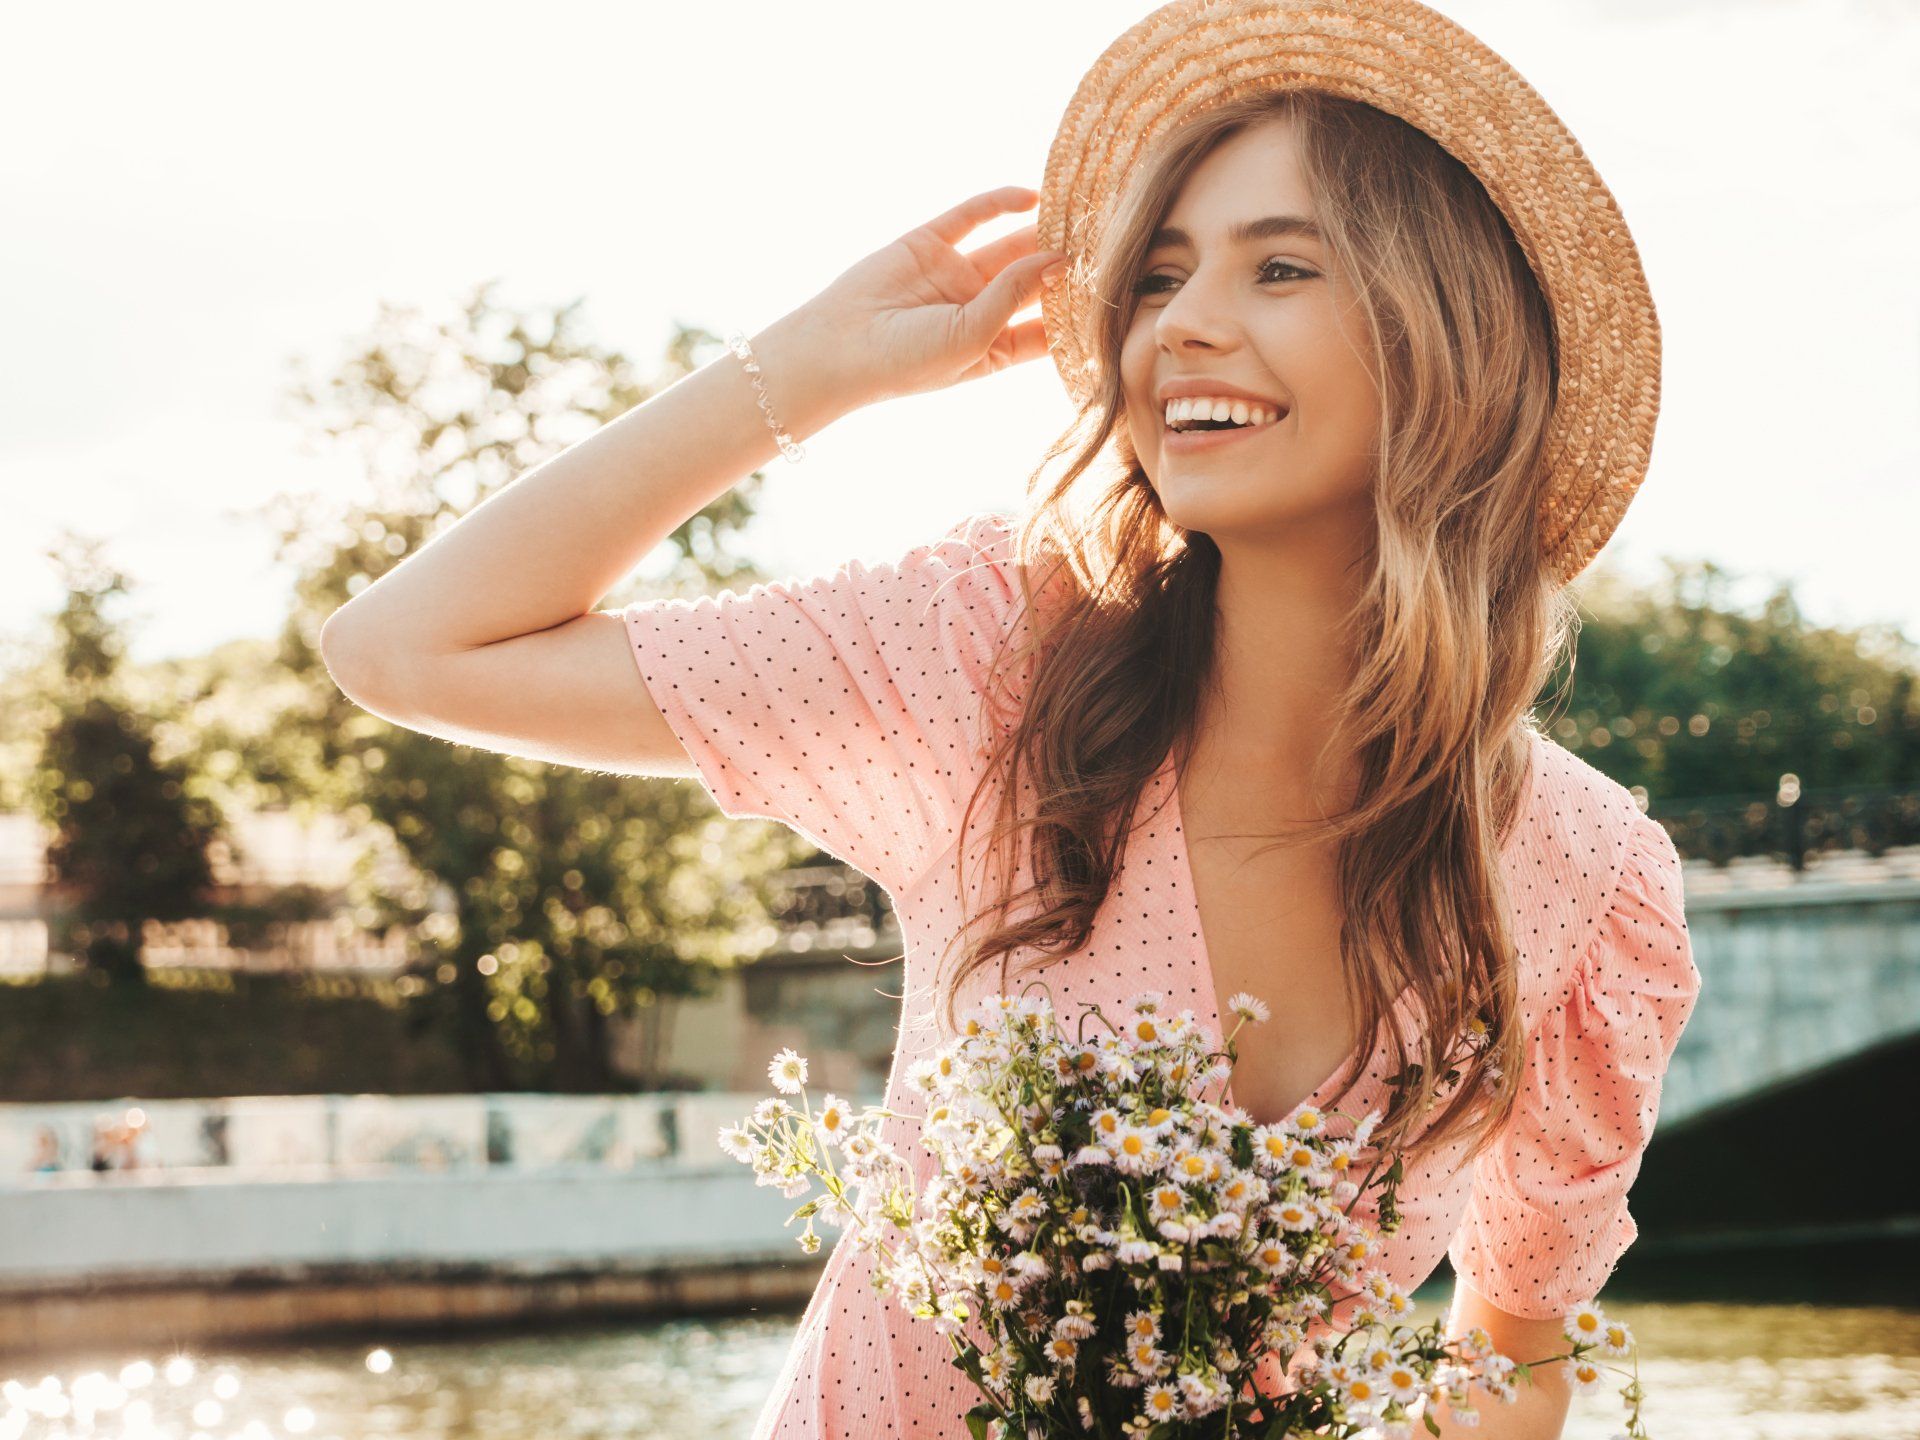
[(1136, 366)]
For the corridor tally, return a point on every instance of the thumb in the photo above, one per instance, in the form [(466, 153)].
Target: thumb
[(1012, 290)]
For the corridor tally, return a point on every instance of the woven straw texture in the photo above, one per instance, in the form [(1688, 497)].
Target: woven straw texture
[(1417, 64)]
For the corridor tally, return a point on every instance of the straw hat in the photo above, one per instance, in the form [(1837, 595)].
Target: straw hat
[(1404, 58)]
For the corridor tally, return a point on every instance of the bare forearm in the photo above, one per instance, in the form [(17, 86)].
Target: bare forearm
[(1538, 1412), (545, 548)]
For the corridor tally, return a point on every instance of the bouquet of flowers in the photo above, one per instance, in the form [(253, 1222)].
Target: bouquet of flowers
[(1109, 1252)]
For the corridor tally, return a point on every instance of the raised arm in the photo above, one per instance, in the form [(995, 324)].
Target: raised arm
[(487, 634)]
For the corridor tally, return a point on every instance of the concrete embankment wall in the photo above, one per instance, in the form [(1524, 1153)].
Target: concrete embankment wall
[(181, 1258)]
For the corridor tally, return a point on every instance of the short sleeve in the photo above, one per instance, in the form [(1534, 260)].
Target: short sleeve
[(846, 705), (1546, 1218)]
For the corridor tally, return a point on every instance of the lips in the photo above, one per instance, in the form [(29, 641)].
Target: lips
[(1183, 442), (1192, 387)]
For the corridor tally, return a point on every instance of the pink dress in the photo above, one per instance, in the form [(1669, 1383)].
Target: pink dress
[(845, 705)]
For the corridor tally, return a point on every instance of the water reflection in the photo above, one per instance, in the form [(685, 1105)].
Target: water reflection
[(1778, 1372)]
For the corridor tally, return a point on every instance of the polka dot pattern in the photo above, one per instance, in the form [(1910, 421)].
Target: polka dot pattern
[(1547, 1219), (847, 706), (844, 705)]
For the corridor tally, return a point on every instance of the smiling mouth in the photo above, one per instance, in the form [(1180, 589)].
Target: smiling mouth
[(1202, 436), (1268, 415)]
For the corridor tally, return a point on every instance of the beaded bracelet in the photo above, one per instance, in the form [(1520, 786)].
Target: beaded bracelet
[(737, 342)]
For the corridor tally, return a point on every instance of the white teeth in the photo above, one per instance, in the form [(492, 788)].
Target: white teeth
[(1241, 412)]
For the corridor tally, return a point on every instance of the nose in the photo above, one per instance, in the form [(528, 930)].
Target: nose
[(1195, 315)]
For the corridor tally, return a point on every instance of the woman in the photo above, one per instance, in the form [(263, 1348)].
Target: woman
[(1310, 645)]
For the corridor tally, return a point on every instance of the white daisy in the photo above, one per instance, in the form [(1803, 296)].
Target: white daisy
[(1585, 1325), (1616, 1340), (1365, 1390), (1293, 1215), (1161, 1402), (834, 1119), (1133, 1150), (788, 1071), (1029, 1266), (1403, 1382), (1144, 1030), (770, 1109), (1306, 1120), (1165, 1201), (1143, 1325), (1249, 1007), (1146, 1358)]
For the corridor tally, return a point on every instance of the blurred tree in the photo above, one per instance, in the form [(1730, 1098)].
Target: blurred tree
[(546, 899), (1681, 691), (128, 833)]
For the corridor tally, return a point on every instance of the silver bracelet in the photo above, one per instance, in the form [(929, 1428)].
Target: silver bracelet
[(737, 342)]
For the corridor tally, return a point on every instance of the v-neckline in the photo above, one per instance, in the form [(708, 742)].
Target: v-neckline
[(1175, 818)]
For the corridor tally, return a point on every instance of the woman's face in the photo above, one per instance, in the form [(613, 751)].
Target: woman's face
[(1260, 315)]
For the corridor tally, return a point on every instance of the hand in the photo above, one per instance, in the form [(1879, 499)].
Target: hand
[(919, 315)]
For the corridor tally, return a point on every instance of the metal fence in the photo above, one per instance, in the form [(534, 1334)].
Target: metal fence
[(1793, 825)]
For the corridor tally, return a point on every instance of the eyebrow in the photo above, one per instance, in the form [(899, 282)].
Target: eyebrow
[(1267, 227)]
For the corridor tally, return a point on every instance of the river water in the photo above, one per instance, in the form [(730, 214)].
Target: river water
[(1756, 1372)]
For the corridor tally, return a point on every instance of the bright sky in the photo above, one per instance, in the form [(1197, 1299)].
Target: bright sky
[(193, 196)]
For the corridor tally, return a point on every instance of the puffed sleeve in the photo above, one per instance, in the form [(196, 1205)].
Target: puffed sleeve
[(1546, 1219), (845, 705)]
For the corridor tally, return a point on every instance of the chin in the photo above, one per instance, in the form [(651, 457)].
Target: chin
[(1215, 502)]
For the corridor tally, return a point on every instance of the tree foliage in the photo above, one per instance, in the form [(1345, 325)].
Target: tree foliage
[(1678, 689), (128, 833), (547, 899)]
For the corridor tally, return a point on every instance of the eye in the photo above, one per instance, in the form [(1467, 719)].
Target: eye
[(1145, 284)]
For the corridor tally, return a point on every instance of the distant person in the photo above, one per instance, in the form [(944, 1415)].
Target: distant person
[(46, 1151), (103, 1145)]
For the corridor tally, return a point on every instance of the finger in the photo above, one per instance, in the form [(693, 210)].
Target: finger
[(1023, 342), (970, 215), (994, 256), (1012, 290)]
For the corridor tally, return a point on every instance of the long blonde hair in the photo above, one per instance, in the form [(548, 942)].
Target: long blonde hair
[(1456, 630)]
